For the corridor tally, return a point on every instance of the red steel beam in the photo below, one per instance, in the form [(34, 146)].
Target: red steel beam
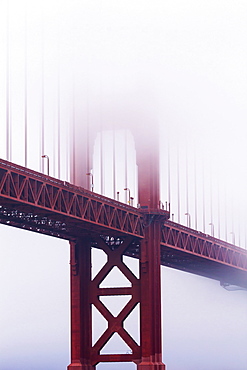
[(196, 252), (24, 189), (86, 292), (150, 277), (43, 204), (196, 243), (51, 206)]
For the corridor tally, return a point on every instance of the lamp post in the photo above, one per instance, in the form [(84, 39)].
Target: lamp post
[(91, 175), (212, 228), (129, 194), (233, 237), (131, 201), (48, 163), (188, 219)]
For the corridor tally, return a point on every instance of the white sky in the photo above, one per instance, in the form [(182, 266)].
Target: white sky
[(189, 57)]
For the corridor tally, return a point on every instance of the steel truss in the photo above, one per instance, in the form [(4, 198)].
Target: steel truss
[(40, 203), (43, 204), (32, 193), (196, 252), (143, 290)]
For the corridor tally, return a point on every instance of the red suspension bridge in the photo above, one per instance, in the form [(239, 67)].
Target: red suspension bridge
[(60, 132), (40, 203)]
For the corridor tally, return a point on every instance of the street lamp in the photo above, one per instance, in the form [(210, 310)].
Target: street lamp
[(212, 228), (129, 194), (233, 237), (48, 163), (131, 201), (91, 175), (188, 219)]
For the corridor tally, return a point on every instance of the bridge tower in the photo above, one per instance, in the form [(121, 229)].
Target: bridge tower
[(144, 290)]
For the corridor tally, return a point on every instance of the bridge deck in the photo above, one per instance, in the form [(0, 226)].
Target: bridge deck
[(40, 203), (31, 198), (193, 251)]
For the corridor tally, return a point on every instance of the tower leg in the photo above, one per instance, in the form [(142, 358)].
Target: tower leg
[(149, 199), (81, 321), (151, 300)]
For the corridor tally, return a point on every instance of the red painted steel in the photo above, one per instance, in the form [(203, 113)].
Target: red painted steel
[(151, 348), (81, 327), (197, 243), (115, 250), (149, 199), (39, 203), (86, 292), (23, 189), (43, 204), (196, 252)]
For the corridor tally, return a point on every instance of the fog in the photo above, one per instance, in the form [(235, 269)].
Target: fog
[(69, 69)]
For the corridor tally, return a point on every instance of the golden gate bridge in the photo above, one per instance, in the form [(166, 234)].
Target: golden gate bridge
[(34, 201), (69, 205)]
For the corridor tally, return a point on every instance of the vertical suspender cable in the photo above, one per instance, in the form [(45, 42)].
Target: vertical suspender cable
[(72, 141), (203, 197), (126, 163), (54, 142), (231, 215), (42, 146), (67, 149), (239, 234), (25, 90), (225, 215), (8, 117), (169, 175), (71, 125), (218, 202), (245, 239), (187, 184), (178, 184), (211, 196), (114, 162), (101, 159), (195, 189), (114, 172), (58, 109), (89, 143), (102, 167)]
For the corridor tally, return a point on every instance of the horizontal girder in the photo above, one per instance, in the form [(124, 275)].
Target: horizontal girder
[(193, 251), (40, 203), (27, 193)]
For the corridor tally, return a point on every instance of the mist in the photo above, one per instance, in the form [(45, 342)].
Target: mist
[(71, 72)]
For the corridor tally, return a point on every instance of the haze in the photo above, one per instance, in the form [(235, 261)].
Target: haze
[(182, 63)]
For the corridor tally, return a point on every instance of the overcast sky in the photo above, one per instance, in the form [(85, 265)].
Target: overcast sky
[(188, 59)]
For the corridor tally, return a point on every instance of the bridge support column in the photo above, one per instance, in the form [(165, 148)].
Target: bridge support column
[(149, 200), (81, 321), (151, 351)]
